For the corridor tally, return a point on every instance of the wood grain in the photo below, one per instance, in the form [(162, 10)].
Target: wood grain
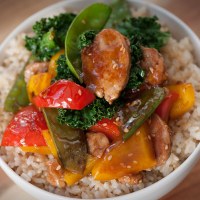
[(13, 12)]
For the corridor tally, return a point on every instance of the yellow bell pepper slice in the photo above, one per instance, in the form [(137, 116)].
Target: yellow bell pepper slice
[(128, 157), (50, 143), (71, 178), (185, 100), (53, 65), (37, 84), (41, 150)]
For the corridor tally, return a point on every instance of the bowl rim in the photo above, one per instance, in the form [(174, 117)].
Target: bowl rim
[(161, 183)]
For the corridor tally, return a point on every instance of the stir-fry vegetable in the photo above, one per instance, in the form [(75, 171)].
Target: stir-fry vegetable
[(17, 97), (63, 71), (53, 63), (135, 114), (25, 129), (145, 28), (107, 126), (122, 158), (64, 94), (88, 116), (70, 143), (37, 84), (94, 18), (120, 11), (185, 100), (71, 178), (165, 107), (49, 36)]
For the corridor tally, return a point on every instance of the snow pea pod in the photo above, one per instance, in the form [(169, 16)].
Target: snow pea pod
[(70, 143), (138, 111), (17, 97), (120, 11), (94, 18)]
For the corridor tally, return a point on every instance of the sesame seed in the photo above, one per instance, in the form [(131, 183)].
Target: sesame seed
[(115, 65), (126, 130), (153, 135), (149, 137), (69, 99), (110, 157), (128, 167), (166, 147), (151, 70), (104, 124), (135, 162), (58, 168), (138, 133), (79, 92), (140, 181), (130, 154), (117, 119)]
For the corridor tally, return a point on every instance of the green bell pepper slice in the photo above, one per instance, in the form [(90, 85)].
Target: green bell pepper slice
[(70, 143), (94, 18)]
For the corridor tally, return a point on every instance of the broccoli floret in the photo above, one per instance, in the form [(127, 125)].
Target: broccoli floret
[(89, 115), (147, 28), (86, 38), (49, 36), (63, 71)]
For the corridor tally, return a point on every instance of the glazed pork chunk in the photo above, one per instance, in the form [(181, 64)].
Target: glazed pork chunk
[(106, 64)]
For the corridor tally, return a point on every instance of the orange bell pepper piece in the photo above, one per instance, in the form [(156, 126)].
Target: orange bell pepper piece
[(41, 150), (122, 158), (185, 100), (37, 84), (50, 143)]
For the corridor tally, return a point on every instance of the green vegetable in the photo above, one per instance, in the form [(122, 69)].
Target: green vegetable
[(63, 71), (137, 74), (86, 38), (147, 28), (135, 114), (88, 116), (94, 18), (49, 36), (120, 11), (70, 143), (17, 97)]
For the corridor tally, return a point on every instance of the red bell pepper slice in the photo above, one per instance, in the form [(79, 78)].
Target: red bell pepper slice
[(64, 94), (164, 108), (108, 127), (25, 129)]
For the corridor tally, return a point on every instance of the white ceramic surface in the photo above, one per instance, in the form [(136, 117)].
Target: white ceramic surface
[(179, 30)]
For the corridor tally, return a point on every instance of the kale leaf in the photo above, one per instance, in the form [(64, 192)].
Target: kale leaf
[(86, 38), (49, 36), (137, 74), (63, 71), (147, 28), (89, 115)]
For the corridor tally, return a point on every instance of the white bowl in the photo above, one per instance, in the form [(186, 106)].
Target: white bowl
[(179, 30)]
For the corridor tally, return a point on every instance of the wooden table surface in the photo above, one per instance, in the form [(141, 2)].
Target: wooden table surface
[(13, 12)]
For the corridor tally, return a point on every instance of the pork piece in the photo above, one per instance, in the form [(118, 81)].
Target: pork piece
[(153, 64), (161, 138), (131, 179), (97, 143), (55, 174), (106, 64), (35, 68)]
